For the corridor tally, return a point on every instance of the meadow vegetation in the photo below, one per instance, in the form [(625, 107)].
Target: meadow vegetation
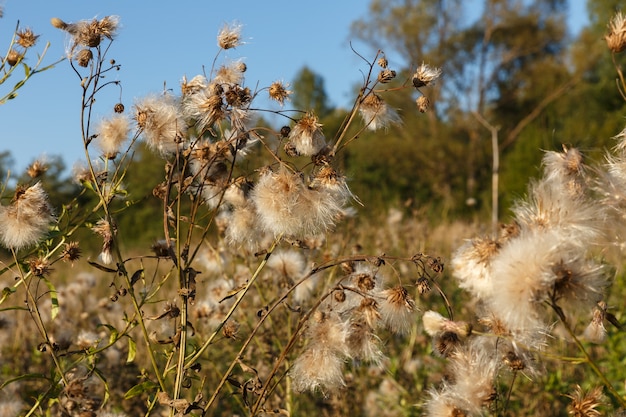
[(205, 262)]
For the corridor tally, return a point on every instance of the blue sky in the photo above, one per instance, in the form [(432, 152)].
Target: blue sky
[(161, 41)]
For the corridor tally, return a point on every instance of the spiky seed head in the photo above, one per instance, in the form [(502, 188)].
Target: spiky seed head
[(26, 38)]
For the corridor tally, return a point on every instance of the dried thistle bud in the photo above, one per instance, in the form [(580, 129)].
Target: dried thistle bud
[(284, 131), (435, 264), (278, 92), (585, 403), (423, 104), (616, 38), (423, 286), (71, 252), (26, 38), (14, 57), (230, 329), (39, 267), (118, 108), (386, 75), (36, 169), (84, 57), (382, 62)]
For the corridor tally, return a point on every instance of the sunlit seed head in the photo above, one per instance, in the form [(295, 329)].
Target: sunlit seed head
[(616, 38), (397, 309), (37, 169), (376, 113), (306, 136), (231, 73), (112, 133), (382, 62), (425, 75), (229, 36), (26, 219)]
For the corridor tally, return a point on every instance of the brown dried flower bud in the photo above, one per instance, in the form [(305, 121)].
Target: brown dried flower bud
[(84, 57), (71, 252), (14, 57), (340, 296), (118, 108), (423, 103), (382, 62), (386, 75)]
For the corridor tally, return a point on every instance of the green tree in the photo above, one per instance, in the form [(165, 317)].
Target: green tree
[(309, 93), (506, 67)]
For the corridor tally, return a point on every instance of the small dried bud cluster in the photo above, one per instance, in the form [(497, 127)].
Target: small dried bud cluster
[(616, 38)]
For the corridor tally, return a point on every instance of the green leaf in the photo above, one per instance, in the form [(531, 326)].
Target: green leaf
[(132, 350), (53, 298), (140, 388)]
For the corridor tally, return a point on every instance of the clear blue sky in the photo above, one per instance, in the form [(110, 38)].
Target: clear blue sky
[(160, 41)]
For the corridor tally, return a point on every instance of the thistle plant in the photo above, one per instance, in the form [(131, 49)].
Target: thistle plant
[(258, 299)]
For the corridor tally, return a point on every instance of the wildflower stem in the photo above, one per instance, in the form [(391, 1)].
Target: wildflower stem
[(34, 311)]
